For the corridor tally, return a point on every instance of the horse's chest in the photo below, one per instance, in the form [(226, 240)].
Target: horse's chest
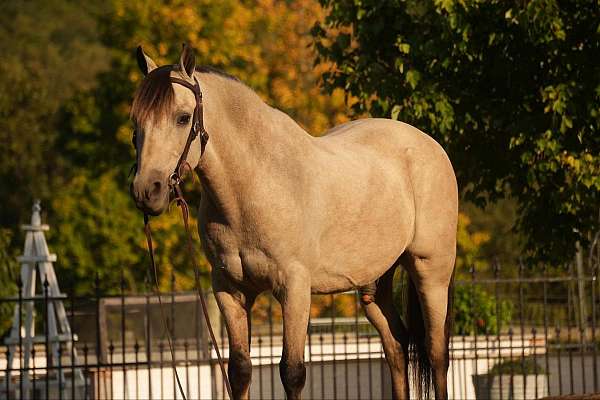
[(240, 263)]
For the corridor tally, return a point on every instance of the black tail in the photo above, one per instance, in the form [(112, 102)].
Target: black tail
[(449, 319), (419, 359)]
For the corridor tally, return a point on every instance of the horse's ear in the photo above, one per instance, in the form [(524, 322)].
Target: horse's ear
[(187, 61), (145, 63)]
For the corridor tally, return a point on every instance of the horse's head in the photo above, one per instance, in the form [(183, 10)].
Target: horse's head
[(162, 113)]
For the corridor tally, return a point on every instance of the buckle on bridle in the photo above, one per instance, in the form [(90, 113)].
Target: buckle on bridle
[(174, 180), (204, 135)]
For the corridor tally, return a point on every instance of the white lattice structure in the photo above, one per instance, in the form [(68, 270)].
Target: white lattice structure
[(37, 261)]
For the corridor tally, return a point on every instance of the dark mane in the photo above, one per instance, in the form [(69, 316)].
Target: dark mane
[(207, 69), (155, 93)]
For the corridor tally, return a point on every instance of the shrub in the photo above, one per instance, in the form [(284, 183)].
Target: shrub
[(476, 311), (520, 366)]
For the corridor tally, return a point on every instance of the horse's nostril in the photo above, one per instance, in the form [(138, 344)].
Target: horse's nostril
[(153, 191), (156, 187), (151, 187)]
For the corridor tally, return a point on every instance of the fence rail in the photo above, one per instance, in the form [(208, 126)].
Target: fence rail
[(517, 334)]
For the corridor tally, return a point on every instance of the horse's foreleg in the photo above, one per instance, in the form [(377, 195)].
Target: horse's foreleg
[(235, 307), (377, 301), (295, 304)]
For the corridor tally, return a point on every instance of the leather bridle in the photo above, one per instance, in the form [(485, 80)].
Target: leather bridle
[(175, 180), (196, 128)]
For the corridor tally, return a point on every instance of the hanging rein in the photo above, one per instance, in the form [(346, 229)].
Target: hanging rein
[(175, 180)]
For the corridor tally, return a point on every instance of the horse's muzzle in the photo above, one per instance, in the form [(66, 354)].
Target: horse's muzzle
[(151, 194)]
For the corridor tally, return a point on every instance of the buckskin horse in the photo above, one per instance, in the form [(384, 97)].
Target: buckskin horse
[(286, 212)]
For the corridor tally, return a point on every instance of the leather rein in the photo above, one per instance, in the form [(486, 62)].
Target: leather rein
[(175, 179)]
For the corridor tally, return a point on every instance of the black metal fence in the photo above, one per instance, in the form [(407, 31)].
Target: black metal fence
[(518, 333)]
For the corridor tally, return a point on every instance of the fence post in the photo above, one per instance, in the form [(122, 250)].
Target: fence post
[(581, 287)]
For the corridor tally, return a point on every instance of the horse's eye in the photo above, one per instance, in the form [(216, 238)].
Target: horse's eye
[(183, 119), (134, 138)]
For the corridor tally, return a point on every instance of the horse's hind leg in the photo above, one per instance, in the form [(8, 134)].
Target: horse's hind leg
[(432, 279), (235, 307), (377, 300)]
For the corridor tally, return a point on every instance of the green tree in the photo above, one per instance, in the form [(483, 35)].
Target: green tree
[(498, 219), (8, 278), (469, 243), (50, 51), (510, 89), (101, 235)]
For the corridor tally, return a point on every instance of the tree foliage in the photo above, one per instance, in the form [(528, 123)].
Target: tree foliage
[(8, 278), (469, 245), (478, 312), (510, 89), (50, 51)]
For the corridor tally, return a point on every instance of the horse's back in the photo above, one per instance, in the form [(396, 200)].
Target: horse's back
[(372, 132), (424, 161)]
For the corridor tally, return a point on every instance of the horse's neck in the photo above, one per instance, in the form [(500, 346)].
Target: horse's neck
[(250, 143)]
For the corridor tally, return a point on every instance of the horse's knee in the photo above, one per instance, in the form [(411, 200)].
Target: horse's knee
[(293, 376), (240, 371)]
